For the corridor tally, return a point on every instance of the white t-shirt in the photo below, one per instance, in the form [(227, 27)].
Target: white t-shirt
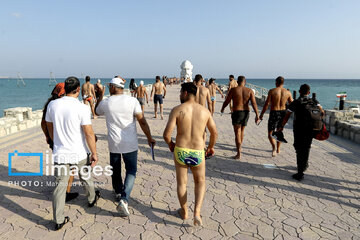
[(68, 114), (120, 111)]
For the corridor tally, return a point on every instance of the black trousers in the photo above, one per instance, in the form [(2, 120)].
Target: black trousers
[(302, 145)]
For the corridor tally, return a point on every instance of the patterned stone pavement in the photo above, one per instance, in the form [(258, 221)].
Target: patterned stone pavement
[(254, 198)]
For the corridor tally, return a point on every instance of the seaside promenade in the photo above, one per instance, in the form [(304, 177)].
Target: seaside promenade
[(254, 198)]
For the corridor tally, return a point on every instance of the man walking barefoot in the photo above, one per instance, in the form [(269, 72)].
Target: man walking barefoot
[(140, 94), (241, 97), (190, 118), (277, 98), (158, 88), (213, 88)]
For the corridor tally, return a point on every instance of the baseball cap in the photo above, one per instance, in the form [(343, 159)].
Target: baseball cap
[(117, 82), (59, 89), (141, 82)]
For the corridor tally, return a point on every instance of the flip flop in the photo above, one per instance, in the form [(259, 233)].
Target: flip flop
[(59, 226), (259, 123)]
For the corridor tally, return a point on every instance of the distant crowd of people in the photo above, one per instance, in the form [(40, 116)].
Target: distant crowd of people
[(68, 129)]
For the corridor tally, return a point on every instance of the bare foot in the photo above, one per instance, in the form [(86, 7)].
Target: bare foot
[(197, 221), (162, 117), (278, 151), (155, 117), (183, 214), (273, 153), (237, 156)]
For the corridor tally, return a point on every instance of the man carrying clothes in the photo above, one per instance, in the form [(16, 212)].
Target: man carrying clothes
[(140, 94), (190, 118), (277, 97), (232, 84), (69, 125), (120, 111), (241, 97), (158, 88), (303, 128)]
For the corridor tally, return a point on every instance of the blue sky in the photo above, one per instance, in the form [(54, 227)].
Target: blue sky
[(258, 39)]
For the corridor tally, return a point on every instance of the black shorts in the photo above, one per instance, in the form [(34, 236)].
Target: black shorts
[(275, 119), (158, 98), (240, 117)]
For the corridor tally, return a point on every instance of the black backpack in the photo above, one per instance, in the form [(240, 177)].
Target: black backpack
[(314, 114)]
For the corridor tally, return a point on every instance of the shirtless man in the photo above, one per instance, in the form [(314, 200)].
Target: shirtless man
[(232, 84), (99, 89), (190, 118), (140, 94), (213, 88), (88, 94), (241, 97), (203, 93), (277, 98), (158, 88)]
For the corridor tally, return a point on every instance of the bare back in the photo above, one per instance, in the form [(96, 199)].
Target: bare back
[(202, 95), (88, 89), (159, 86), (140, 91), (232, 84), (278, 98), (191, 121), (212, 89), (241, 97)]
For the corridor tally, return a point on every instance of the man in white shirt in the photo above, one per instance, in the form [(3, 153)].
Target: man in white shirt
[(120, 111), (69, 125)]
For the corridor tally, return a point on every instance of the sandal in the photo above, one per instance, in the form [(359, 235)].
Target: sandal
[(59, 226)]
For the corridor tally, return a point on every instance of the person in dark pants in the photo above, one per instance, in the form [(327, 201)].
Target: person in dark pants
[(303, 129)]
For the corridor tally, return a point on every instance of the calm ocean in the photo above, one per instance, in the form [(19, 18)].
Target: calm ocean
[(36, 91)]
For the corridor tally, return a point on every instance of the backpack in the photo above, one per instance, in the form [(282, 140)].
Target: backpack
[(314, 113)]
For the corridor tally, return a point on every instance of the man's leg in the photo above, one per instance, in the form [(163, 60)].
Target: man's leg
[(161, 111), (272, 142), (230, 105), (199, 180), (130, 160), (155, 109), (143, 109), (92, 108), (86, 180), (61, 179), (278, 147), (181, 181), (115, 162), (238, 137)]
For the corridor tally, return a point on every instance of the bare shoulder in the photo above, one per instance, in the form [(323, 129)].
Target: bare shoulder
[(202, 109)]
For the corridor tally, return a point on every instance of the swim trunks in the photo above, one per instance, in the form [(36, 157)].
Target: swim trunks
[(141, 101), (213, 99), (87, 98), (158, 98), (189, 157), (240, 117), (275, 119)]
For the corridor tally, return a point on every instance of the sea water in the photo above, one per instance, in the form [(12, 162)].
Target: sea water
[(36, 91)]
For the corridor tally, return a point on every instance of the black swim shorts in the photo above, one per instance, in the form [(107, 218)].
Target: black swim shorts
[(240, 117), (275, 119), (158, 98)]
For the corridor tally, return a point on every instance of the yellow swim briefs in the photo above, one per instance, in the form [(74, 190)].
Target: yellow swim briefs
[(189, 157)]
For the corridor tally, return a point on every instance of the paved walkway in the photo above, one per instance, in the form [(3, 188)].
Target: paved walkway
[(254, 198)]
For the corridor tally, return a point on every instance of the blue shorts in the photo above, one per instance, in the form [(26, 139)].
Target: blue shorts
[(158, 98)]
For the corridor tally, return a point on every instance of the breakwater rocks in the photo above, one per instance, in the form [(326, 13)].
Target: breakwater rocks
[(343, 123), (18, 119)]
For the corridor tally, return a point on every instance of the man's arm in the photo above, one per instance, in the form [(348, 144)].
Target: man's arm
[(50, 129), (254, 105), (169, 129), (98, 102), (266, 105), (208, 99), (82, 91), (152, 91), (218, 89), (227, 100), (213, 136), (164, 90), (145, 128), (90, 140), (146, 95)]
